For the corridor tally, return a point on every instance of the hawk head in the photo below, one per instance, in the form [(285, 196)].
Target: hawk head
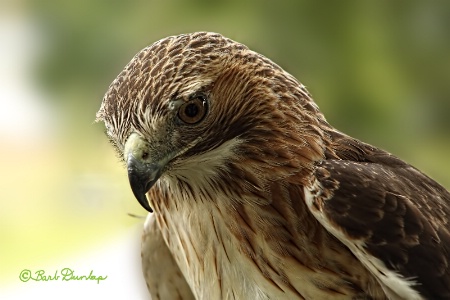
[(200, 111)]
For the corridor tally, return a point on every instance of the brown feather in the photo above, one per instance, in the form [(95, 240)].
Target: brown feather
[(263, 198)]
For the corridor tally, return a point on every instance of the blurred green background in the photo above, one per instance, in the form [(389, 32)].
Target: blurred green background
[(379, 70)]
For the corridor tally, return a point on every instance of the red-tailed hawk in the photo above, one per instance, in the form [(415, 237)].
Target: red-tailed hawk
[(255, 195)]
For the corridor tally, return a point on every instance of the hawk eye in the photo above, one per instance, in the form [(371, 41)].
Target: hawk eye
[(193, 111)]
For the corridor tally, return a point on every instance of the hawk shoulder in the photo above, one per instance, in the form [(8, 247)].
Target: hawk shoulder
[(392, 217)]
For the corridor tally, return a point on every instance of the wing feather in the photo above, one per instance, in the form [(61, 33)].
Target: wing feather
[(393, 218)]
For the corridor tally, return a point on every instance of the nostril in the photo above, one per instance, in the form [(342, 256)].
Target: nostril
[(145, 155)]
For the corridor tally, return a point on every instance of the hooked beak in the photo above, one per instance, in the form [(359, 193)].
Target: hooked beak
[(142, 173), (142, 177)]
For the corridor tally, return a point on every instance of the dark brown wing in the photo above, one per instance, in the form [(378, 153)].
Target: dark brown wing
[(395, 217)]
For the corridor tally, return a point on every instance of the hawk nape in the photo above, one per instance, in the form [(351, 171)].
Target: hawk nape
[(255, 195)]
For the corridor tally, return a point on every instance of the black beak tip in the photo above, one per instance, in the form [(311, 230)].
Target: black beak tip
[(139, 190), (142, 198)]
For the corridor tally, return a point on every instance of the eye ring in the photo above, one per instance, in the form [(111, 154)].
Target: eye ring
[(193, 111)]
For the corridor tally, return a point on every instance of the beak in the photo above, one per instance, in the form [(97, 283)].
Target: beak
[(142, 177), (142, 171)]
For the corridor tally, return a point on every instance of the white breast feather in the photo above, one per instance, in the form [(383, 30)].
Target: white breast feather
[(204, 275)]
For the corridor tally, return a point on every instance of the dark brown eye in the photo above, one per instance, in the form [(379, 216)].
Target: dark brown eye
[(192, 111)]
